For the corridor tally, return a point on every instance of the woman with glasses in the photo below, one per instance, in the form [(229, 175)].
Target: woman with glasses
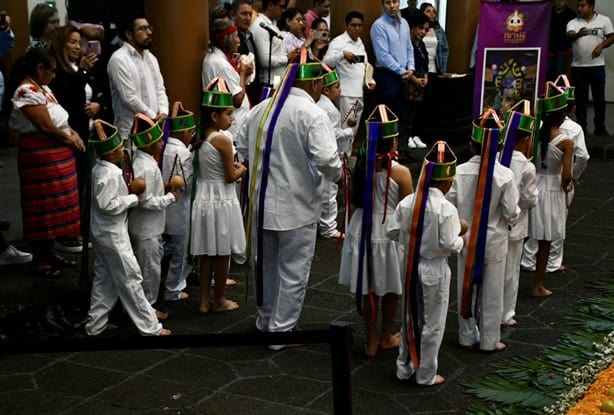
[(44, 20)]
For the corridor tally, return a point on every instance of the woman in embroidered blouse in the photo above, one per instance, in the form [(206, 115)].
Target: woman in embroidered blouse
[(46, 161)]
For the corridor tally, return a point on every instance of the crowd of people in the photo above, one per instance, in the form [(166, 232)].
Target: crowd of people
[(255, 176)]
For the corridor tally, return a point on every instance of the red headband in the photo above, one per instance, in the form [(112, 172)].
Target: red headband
[(221, 35)]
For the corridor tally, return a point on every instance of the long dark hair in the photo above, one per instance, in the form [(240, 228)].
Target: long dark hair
[(359, 175), (549, 120)]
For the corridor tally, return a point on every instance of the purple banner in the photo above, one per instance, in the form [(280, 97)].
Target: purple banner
[(512, 54)]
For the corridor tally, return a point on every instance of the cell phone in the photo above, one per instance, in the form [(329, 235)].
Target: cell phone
[(3, 16), (321, 34), (93, 46), (360, 58)]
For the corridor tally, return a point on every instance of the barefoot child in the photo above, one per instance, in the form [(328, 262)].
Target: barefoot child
[(116, 271), (369, 260), (178, 162), (217, 225), (331, 91), (146, 222), (428, 229)]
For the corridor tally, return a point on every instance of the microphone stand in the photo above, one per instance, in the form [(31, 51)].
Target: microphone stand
[(270, 49)]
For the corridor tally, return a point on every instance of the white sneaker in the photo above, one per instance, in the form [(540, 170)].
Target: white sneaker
[(419, 143), (411, 143), (12, 255)]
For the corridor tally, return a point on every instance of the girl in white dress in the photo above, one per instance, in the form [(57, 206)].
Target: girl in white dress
[(547, 219), (216, 228)]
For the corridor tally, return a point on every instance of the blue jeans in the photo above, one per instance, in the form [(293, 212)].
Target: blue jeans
[(583, 78)]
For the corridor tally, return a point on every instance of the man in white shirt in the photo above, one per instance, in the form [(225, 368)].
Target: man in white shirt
[(135, 79), (348, 56), (590, 33), (299, 146)]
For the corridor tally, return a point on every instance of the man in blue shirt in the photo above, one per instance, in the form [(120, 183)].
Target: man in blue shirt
[(394, 64)]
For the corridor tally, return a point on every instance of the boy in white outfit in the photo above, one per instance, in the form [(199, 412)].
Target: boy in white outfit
[(513, 156), (177, 160), (331, 90), (438, 238), (480, 288), (146, 222), (116, 271)]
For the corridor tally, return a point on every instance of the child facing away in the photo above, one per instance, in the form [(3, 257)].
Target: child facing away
[(331, 91), (217, 224), (177, 161), (513, 156), (480, 284), (146, 222), (369, 259), (116, 270), (429, 245)]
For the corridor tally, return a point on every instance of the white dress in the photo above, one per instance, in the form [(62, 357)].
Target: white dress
[(217, 224), (386, 271), (547, 220)]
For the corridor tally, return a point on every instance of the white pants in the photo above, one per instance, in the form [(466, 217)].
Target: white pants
[(328, 217), (117, 275), (555, 257), (149, 253), (485, 327), (287, 264), (434, 277), (511, 280), (178, 267), (345, 103)]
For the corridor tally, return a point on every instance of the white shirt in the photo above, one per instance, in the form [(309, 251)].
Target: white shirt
[(503, 212), (110, 204), (279, 59), (177, 214), (440, 230), (216, 64), (136, 86), (303, 148), (351, 75), (526, 182), (430, 42), (148, 219), (342, 135), (572, 129), (599, 27)]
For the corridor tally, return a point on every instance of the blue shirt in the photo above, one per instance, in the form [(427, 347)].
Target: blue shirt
[(391, 45)]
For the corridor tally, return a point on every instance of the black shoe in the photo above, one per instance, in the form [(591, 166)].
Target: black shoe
[(601, 132)]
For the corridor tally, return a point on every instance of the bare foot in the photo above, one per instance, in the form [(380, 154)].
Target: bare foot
[(371, 350), (161, 315), (183, 295), (540, 292), (205, 307), (509, 323), (498, 348), (390, 342), (223, 305), (230, 282), (439, 380), (165, 332)]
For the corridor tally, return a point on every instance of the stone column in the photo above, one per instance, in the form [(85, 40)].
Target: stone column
[(180, 40), (461, 22)]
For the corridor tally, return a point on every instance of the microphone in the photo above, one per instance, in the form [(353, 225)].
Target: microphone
[(271, 31)]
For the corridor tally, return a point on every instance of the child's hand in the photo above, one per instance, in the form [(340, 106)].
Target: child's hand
[(174, 193), (464, 227), (167, 187), (137, 186), (240, 167)]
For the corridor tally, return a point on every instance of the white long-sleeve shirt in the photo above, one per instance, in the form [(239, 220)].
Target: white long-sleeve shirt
[(351, 75), (110, 204), (342, 135), (136, 86), (148, 219), (572, 129), (303, 147), (178, 214), (525, 178), (503, 212)]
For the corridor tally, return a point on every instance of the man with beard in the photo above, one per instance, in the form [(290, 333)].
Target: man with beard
[(136, 83)]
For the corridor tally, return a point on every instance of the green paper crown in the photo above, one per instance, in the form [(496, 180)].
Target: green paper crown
[(330, 78), (307, 71), (526, 124), (570, 93), (181, 119), (480, 127), (145, 131), (384, 120), (109, 144), (555, 103), (216, 94), (444, 160)]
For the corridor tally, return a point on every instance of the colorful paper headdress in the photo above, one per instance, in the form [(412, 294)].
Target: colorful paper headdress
[(555, 98), (525, 121), (216, 94), (382, 122), (563, 83), (330, 78), (105, 137), (444, 161), (145, 131), (181, 119), (308, 70), (489, 120)]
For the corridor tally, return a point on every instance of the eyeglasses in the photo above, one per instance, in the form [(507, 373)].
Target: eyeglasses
[(144, 28)]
